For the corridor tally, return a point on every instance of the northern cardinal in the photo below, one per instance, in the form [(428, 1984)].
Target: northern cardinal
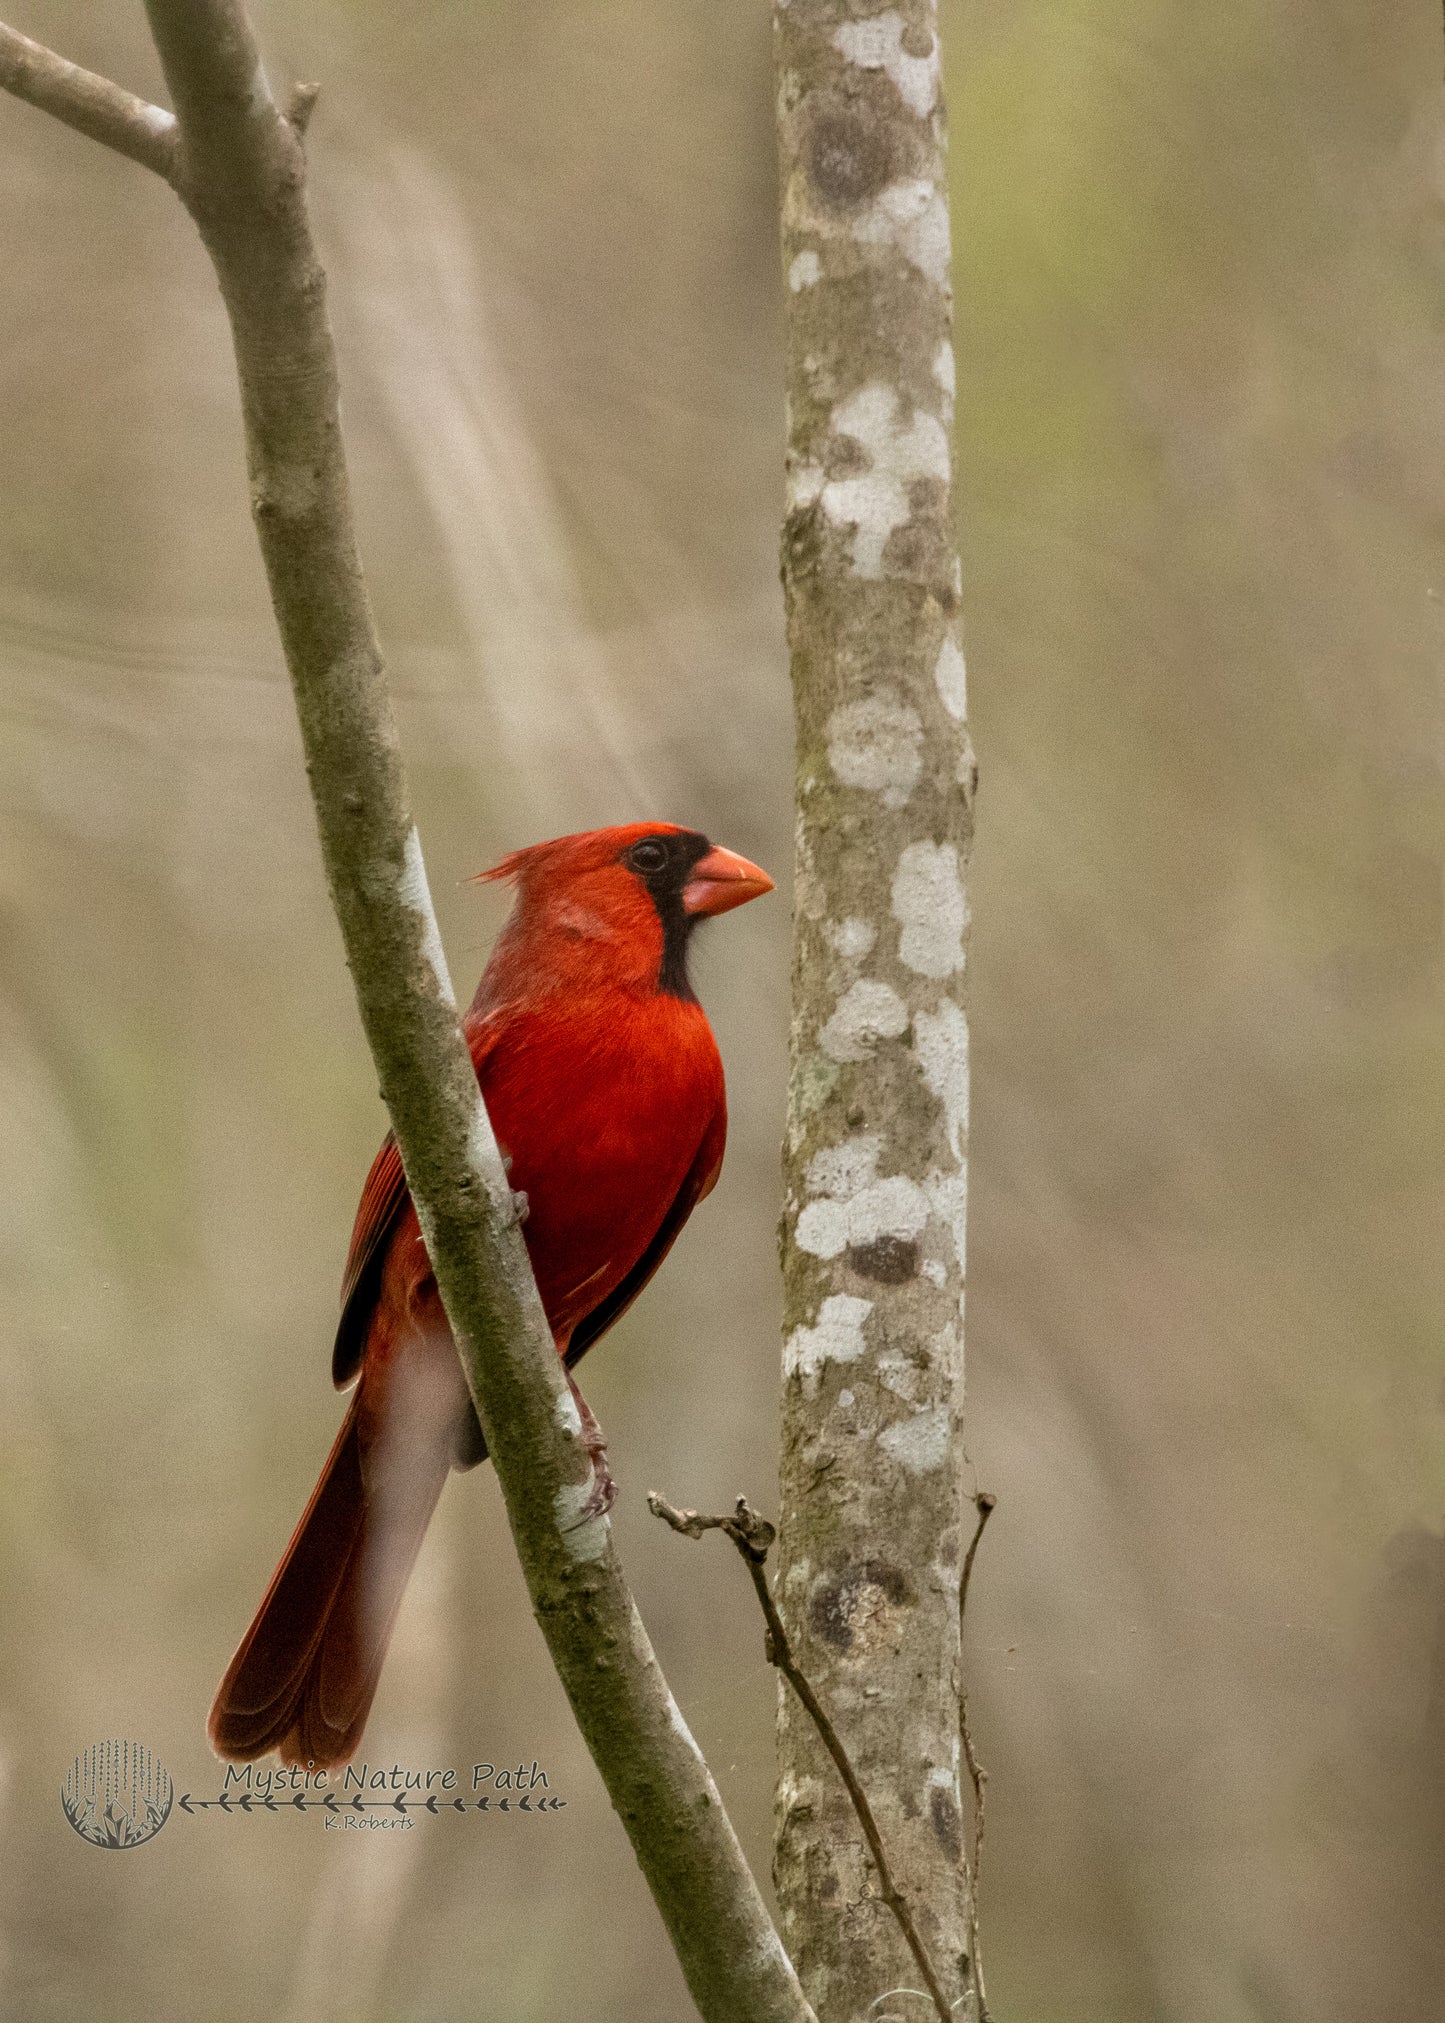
[(604, 1086)]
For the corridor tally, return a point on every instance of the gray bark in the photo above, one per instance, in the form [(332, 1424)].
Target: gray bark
[(875, 1157), (238, 164)]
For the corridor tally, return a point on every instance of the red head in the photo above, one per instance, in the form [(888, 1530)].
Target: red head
[(617, 905)]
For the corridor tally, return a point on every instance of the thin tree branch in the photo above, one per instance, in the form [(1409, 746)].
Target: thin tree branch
[(985, 1505), (753, 1535), (92, 105), (240, 170)]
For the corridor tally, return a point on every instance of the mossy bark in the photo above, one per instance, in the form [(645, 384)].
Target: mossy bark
[(876, 1149)]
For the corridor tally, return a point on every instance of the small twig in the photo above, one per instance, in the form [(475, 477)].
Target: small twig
[(753, 1535), (984, 1504), (103, 111)]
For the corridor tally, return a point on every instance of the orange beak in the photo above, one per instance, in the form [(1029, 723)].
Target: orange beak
[(722, 880)]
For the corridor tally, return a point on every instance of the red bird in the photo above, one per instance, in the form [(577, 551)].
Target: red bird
[(604, 1086)]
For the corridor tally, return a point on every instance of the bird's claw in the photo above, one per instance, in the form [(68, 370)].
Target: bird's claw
[(521, 1206), (601, 1496), (603, 1493)]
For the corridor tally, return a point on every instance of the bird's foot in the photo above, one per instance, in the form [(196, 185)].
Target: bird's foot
[(603, 1493)]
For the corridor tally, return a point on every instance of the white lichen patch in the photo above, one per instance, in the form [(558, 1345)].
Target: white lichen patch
[(590, 1540), (912, 217), (876, 744), (950, 676), (940, 1042), (805, 482), (804, 271), (901, 445), (929, 904), (948, 1196), (415, 895), (919, 1444), (877, 44), (835, 1337), (934, 1272), (583, 1538), (896, 1207), (851, 938), (898, 1375), (845, 1170), (867, 1012), (566, 1414)]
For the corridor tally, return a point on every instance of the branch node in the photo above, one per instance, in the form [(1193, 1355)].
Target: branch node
[(301, 105)]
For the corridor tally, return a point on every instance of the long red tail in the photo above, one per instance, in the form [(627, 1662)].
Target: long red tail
[(303, 1679)]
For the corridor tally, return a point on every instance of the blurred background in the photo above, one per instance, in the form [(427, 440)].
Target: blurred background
[(1201, 286)]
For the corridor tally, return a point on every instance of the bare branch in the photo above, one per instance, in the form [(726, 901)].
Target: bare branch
[(984, 1504), (92, 105), (753, 1535), (240, 169)]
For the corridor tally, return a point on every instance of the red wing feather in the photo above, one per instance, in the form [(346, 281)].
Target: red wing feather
[(384, 1200), (700, 1180)]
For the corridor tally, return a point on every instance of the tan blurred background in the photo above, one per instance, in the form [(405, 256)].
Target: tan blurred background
[(1201, 281)]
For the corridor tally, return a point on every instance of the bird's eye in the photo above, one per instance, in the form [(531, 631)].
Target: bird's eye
[(647, 857)]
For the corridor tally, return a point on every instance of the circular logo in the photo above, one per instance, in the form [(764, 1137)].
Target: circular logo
[(117, 1795)]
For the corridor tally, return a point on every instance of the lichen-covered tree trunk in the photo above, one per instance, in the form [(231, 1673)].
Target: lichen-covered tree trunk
[(875, 1158)]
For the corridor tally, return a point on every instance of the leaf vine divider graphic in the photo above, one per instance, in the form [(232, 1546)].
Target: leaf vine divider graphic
[(251, 1801)]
